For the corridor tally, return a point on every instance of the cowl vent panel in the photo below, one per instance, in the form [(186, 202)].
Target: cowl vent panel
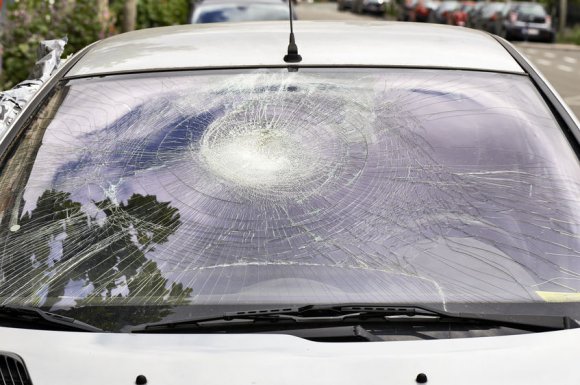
[(12, 370)]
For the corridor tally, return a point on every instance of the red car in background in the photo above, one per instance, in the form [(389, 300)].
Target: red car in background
[(445, 10), (418, 10), (460, 16), (424, 10)]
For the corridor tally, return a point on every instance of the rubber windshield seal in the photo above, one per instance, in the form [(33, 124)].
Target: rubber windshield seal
[(291, 68)]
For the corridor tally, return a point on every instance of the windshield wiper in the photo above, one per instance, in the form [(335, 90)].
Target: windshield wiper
[(34, 318), (323, 314)]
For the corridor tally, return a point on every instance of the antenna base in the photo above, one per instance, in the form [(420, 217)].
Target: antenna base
[(292, 58)]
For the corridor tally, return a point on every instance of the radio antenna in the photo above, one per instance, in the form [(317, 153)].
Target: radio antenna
[(292, 56)]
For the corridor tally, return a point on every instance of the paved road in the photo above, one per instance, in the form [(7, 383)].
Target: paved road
[(560, 64)]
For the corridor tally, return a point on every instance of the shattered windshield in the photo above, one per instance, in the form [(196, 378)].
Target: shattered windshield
[(275, 187)]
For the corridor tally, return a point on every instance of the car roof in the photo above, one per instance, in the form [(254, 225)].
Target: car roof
[(321, 43)]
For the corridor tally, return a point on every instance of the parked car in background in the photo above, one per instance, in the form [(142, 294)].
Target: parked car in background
[(445, 10), (474, 13), (357, 6), (460, 16), (418, 11), (505, 13), (182, 205), (425, 10), (220, 11), (528, 21), (406, 10), (376, 7), (343, 5), (490, 19)]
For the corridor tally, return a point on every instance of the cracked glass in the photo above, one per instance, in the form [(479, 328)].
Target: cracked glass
[(268, 187)]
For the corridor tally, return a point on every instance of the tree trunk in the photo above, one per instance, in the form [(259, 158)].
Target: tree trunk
[(104, 16), (563, 15), (129, 15)]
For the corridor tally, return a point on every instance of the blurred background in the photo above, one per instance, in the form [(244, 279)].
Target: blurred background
[(24, 23), (548, 31)]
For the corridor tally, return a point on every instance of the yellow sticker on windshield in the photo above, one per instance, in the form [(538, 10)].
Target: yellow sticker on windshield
[(554, 296)]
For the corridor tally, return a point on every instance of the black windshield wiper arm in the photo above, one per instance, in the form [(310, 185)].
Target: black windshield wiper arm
[(34, 318), (319, 314), (547, 322)]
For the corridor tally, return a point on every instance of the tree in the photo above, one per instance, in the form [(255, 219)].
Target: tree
[(158, 13), (104, 16), (106, 255), (28, 22), (129, 15)]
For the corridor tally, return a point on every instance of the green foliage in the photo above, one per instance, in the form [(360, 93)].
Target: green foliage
[(82, 26), (570, 36), (28, 22), (159, 13), (153, 13), (105, 254)]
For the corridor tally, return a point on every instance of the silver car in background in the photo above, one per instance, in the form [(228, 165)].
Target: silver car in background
[(231, 11)]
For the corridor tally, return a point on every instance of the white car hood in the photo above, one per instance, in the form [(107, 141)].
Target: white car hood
[(172, 359)]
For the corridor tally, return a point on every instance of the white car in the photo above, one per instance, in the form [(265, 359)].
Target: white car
[(182, 206)]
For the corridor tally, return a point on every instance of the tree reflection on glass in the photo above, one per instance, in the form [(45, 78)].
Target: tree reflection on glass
[(57, 247)]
